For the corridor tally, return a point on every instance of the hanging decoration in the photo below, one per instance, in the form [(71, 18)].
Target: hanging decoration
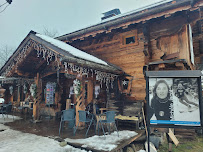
[(102, 77), (11, 90), (46, 54), (71, 91), (77, 86), (33, 90), (124, 84), (24, 89), (96, 90), (76, 68)]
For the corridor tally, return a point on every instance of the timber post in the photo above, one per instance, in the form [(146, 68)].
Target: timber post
[(80, 102), (38, 98)]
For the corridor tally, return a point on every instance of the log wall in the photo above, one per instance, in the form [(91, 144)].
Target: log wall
[(165, 35), (130, 58), (197, 30)]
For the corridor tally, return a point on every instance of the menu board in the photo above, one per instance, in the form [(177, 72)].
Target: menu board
[(50, 91)]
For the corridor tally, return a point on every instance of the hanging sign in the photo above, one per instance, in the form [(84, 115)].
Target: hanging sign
[(50, 91)]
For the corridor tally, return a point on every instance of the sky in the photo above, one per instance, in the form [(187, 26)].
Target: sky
[(64, 16)]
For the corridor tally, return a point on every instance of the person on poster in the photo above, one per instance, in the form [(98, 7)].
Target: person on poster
[(181, 94), (161, 105)]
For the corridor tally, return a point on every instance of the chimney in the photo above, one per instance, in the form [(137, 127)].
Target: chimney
[(110, 13)]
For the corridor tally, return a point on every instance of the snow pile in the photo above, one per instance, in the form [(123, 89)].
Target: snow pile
[(141, 151), (8, 118), (106, 143), (72, 149), (16, 141)]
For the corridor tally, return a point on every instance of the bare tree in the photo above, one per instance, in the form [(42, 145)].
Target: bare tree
[(51, 33), (5, 52)]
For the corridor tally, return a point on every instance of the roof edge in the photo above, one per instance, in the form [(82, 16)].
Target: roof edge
[(135, 15)]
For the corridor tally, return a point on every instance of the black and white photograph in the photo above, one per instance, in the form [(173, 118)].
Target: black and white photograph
[(186, 100), (174, 101)]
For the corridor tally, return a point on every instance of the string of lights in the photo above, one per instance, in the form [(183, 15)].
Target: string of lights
[(7, 1), (3, 4), (4, 8)]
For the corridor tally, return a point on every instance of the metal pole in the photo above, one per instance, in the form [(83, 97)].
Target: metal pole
[(148, 121)]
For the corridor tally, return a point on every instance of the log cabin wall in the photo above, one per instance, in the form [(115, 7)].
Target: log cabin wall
[(170, 36), (197, 29), (166, 35), (111, 48)]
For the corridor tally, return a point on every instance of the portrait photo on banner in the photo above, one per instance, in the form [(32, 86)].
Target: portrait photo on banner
[(174, 101)]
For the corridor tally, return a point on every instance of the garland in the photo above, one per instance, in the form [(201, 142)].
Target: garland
[(46, 53), (102, 77), (77, 86), (33, 90)]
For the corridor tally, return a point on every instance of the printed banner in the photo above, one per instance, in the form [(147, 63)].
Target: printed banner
[(174, 101)]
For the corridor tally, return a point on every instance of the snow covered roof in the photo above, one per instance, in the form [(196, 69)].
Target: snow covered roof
[(50, 47), (72, 50)]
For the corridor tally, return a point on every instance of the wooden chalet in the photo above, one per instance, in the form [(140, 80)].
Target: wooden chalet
[(55, 67), (164, 36)]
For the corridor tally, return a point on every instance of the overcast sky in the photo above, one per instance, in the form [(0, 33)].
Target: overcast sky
[(63, 16)]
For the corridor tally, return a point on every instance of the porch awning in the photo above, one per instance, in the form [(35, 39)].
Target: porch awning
[(35, 45), (75, 55)]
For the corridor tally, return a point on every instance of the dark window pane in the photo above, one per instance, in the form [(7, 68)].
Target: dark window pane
[(130, 40)]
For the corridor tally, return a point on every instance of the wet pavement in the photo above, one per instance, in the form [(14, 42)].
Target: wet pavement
[(49, 127)]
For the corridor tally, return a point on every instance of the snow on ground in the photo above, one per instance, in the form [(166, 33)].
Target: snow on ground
[(8, 118), (16, 141), (107, 142)]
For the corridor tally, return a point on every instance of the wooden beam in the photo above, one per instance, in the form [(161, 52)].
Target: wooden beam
[(21, 73), (18, 94), (173, 137), (161, 66), (146, 51), (90, 91), (127, 142), (80, 101), (36, 101)]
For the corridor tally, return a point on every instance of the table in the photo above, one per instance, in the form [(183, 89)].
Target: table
[(110, 108), (99, 117), (23, 108), (102, 110)]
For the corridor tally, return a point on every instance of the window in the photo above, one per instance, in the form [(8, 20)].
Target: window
[(129, 38)]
